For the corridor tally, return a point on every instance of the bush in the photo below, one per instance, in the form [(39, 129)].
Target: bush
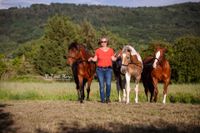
[(184, 98)]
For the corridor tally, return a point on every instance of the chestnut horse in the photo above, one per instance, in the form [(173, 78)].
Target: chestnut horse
[(132, 67), (83, 71), (156, 69)]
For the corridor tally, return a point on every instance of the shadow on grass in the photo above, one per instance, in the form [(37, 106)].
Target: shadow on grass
[(112, 127), (6, 121)]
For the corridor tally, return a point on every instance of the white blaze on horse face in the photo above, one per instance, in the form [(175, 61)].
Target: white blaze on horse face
[(123, 57), (156, 60)]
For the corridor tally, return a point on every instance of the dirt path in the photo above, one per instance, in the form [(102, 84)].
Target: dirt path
[(62, 116)]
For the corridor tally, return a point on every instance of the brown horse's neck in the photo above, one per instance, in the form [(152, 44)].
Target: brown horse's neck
[(134, 60), (162, 60), (84, 55)]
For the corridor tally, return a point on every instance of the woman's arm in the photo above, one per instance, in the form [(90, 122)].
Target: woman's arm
[(93, 58)]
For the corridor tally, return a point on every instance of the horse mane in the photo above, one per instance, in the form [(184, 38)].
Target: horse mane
[(133, 52), (81, 48), (75, 45), (129, 47)]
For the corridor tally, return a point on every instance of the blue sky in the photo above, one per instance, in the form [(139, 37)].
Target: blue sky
[(5, 4)]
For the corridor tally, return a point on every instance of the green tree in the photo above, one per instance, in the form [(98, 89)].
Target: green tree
[(152, 46), (115, 41), (186, 61), (88, 34), (59, 33)]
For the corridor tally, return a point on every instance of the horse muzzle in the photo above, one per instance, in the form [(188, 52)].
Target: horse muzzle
[(123, 69)]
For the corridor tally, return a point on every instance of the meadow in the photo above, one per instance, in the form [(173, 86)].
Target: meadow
[(177, 93), (52, 107)]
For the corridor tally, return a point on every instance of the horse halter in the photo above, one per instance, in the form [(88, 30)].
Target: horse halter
[(156, 59), (130, 62)]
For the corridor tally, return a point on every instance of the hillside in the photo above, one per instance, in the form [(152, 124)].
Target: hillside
[(139, 25)]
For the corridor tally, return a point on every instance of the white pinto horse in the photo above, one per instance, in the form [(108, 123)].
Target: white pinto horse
[(132, 67)]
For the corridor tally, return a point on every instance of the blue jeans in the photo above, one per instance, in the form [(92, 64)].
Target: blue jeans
[(104, 76)]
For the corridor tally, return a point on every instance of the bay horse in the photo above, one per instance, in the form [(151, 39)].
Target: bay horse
[(132, 67), (156, 69), (83, 71)]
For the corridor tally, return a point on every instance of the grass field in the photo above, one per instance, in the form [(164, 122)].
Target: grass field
[(52, 107), (183, 93)]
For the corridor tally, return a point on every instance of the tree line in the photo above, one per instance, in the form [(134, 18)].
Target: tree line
[(140, 25), (46, 54)]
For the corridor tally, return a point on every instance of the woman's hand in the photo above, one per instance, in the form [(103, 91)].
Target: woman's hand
[(90, 59), (93, 59), (113, 58)]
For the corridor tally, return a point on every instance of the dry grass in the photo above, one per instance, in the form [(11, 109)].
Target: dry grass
[(71, 116)]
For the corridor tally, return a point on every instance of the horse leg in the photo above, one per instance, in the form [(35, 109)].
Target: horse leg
[(88, 89), (124, 95), (166, 83), (146, 93), (152, 95), (137, 88), (118, 88), (128, 78), (155, 82), (78, 93), (145, 84), (77, 86), (151, 89), (124, 90), (136, 92), (81, 89)]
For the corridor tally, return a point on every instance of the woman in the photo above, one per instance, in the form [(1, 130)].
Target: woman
[(104, 57)]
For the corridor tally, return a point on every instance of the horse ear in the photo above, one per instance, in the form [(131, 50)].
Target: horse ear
[(165, 50)]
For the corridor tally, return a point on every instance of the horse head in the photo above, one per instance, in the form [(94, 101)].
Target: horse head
[(159, 56), (76, 52), (125, 56), (129, 56)]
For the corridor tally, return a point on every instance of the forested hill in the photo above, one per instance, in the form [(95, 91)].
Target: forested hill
[(139, 25)]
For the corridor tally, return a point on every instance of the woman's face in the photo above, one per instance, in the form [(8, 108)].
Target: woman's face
[(104, 42)]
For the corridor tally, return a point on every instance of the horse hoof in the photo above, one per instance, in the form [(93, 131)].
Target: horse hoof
[(81, 101), (88, 99), (136, 101), (124, 100), (127, 102)]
